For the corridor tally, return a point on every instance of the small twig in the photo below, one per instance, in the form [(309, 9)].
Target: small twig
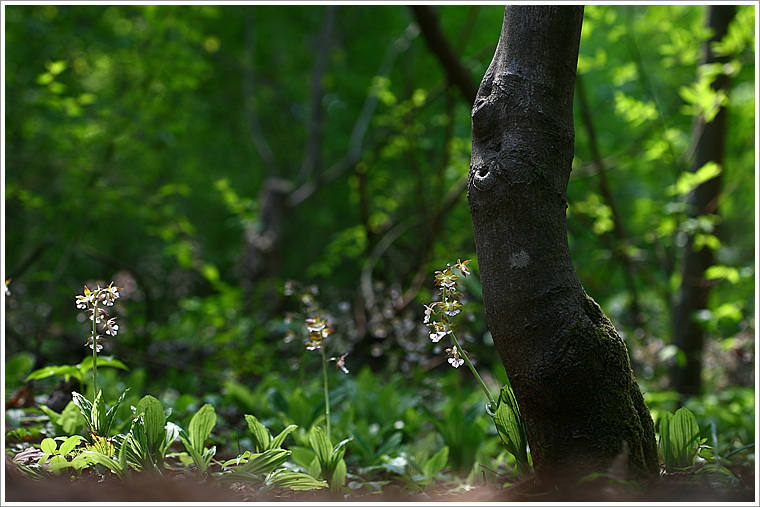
[(738, 450), (506, 478)]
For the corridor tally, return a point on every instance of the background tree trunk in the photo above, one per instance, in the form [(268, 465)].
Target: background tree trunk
[(567, 365), (692, 296)]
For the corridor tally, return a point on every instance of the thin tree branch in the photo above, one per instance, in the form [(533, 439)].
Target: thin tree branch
[(385, 242), (432, 223), (456, 73), (604, 187), (254, 127), (312, 152), (30, 259), (359, 131)]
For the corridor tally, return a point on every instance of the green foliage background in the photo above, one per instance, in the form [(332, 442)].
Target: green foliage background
[(130, 156)]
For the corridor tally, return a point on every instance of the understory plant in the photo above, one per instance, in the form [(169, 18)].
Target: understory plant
[(92, 303), (263, 466), (683, 449), (439, 317), (390, 446), (145, 446), (318, 329), (324, 460)]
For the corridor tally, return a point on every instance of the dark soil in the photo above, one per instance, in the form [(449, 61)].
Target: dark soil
[(185, 488)]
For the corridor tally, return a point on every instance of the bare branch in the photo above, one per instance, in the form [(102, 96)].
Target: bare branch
[(439, 46), (360, 127), (257, 136), (311, 156)]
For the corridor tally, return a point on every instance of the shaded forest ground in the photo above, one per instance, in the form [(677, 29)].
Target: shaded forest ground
[(179, 487)]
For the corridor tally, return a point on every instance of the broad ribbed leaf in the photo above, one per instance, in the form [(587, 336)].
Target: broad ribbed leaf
[(117, 467), (298, 481), (98, 415), (140, 455), (172, 431), (302, 456), (338, 452), (338, 478), (201, 425), (155, 421), (66, 371), (112, 412), (261, 435), (277, 441), (103, 361), (315, 468), (321, 445), (678, 435), (207, 456), (510, 426), (263, 463), (390, 444)]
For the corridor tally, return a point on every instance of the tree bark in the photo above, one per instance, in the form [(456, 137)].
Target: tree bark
[(569, 368), (692, 296)]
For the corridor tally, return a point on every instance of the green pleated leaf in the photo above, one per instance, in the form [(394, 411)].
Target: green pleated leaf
[(98, 415), (117, 467), (510, 426), (338, 452), (302, 456), (679, 435), (154, 421), (263, 463), (172, 431), (277, 441), (389, 445), (67, 371), (293, 480), (112, 413), (84, 405), (321, 445), (338, 478), (261, 435), (201, 425)]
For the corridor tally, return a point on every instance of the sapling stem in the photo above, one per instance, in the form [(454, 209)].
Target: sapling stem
[(474, 371), (327, 393), (95, 351)]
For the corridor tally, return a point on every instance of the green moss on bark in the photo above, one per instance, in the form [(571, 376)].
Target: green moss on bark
[(584, 402), (615, 398)]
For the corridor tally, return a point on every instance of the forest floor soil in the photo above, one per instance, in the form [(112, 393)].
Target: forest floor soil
[(184, 488)]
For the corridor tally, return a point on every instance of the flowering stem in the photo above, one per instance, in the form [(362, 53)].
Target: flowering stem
[(474, 371), (94, 351), (327, 394)]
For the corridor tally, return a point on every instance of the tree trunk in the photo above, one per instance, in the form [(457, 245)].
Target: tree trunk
[(569, 368), (692, 296)]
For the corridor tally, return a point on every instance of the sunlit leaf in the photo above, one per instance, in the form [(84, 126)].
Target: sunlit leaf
[(201, 425)]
